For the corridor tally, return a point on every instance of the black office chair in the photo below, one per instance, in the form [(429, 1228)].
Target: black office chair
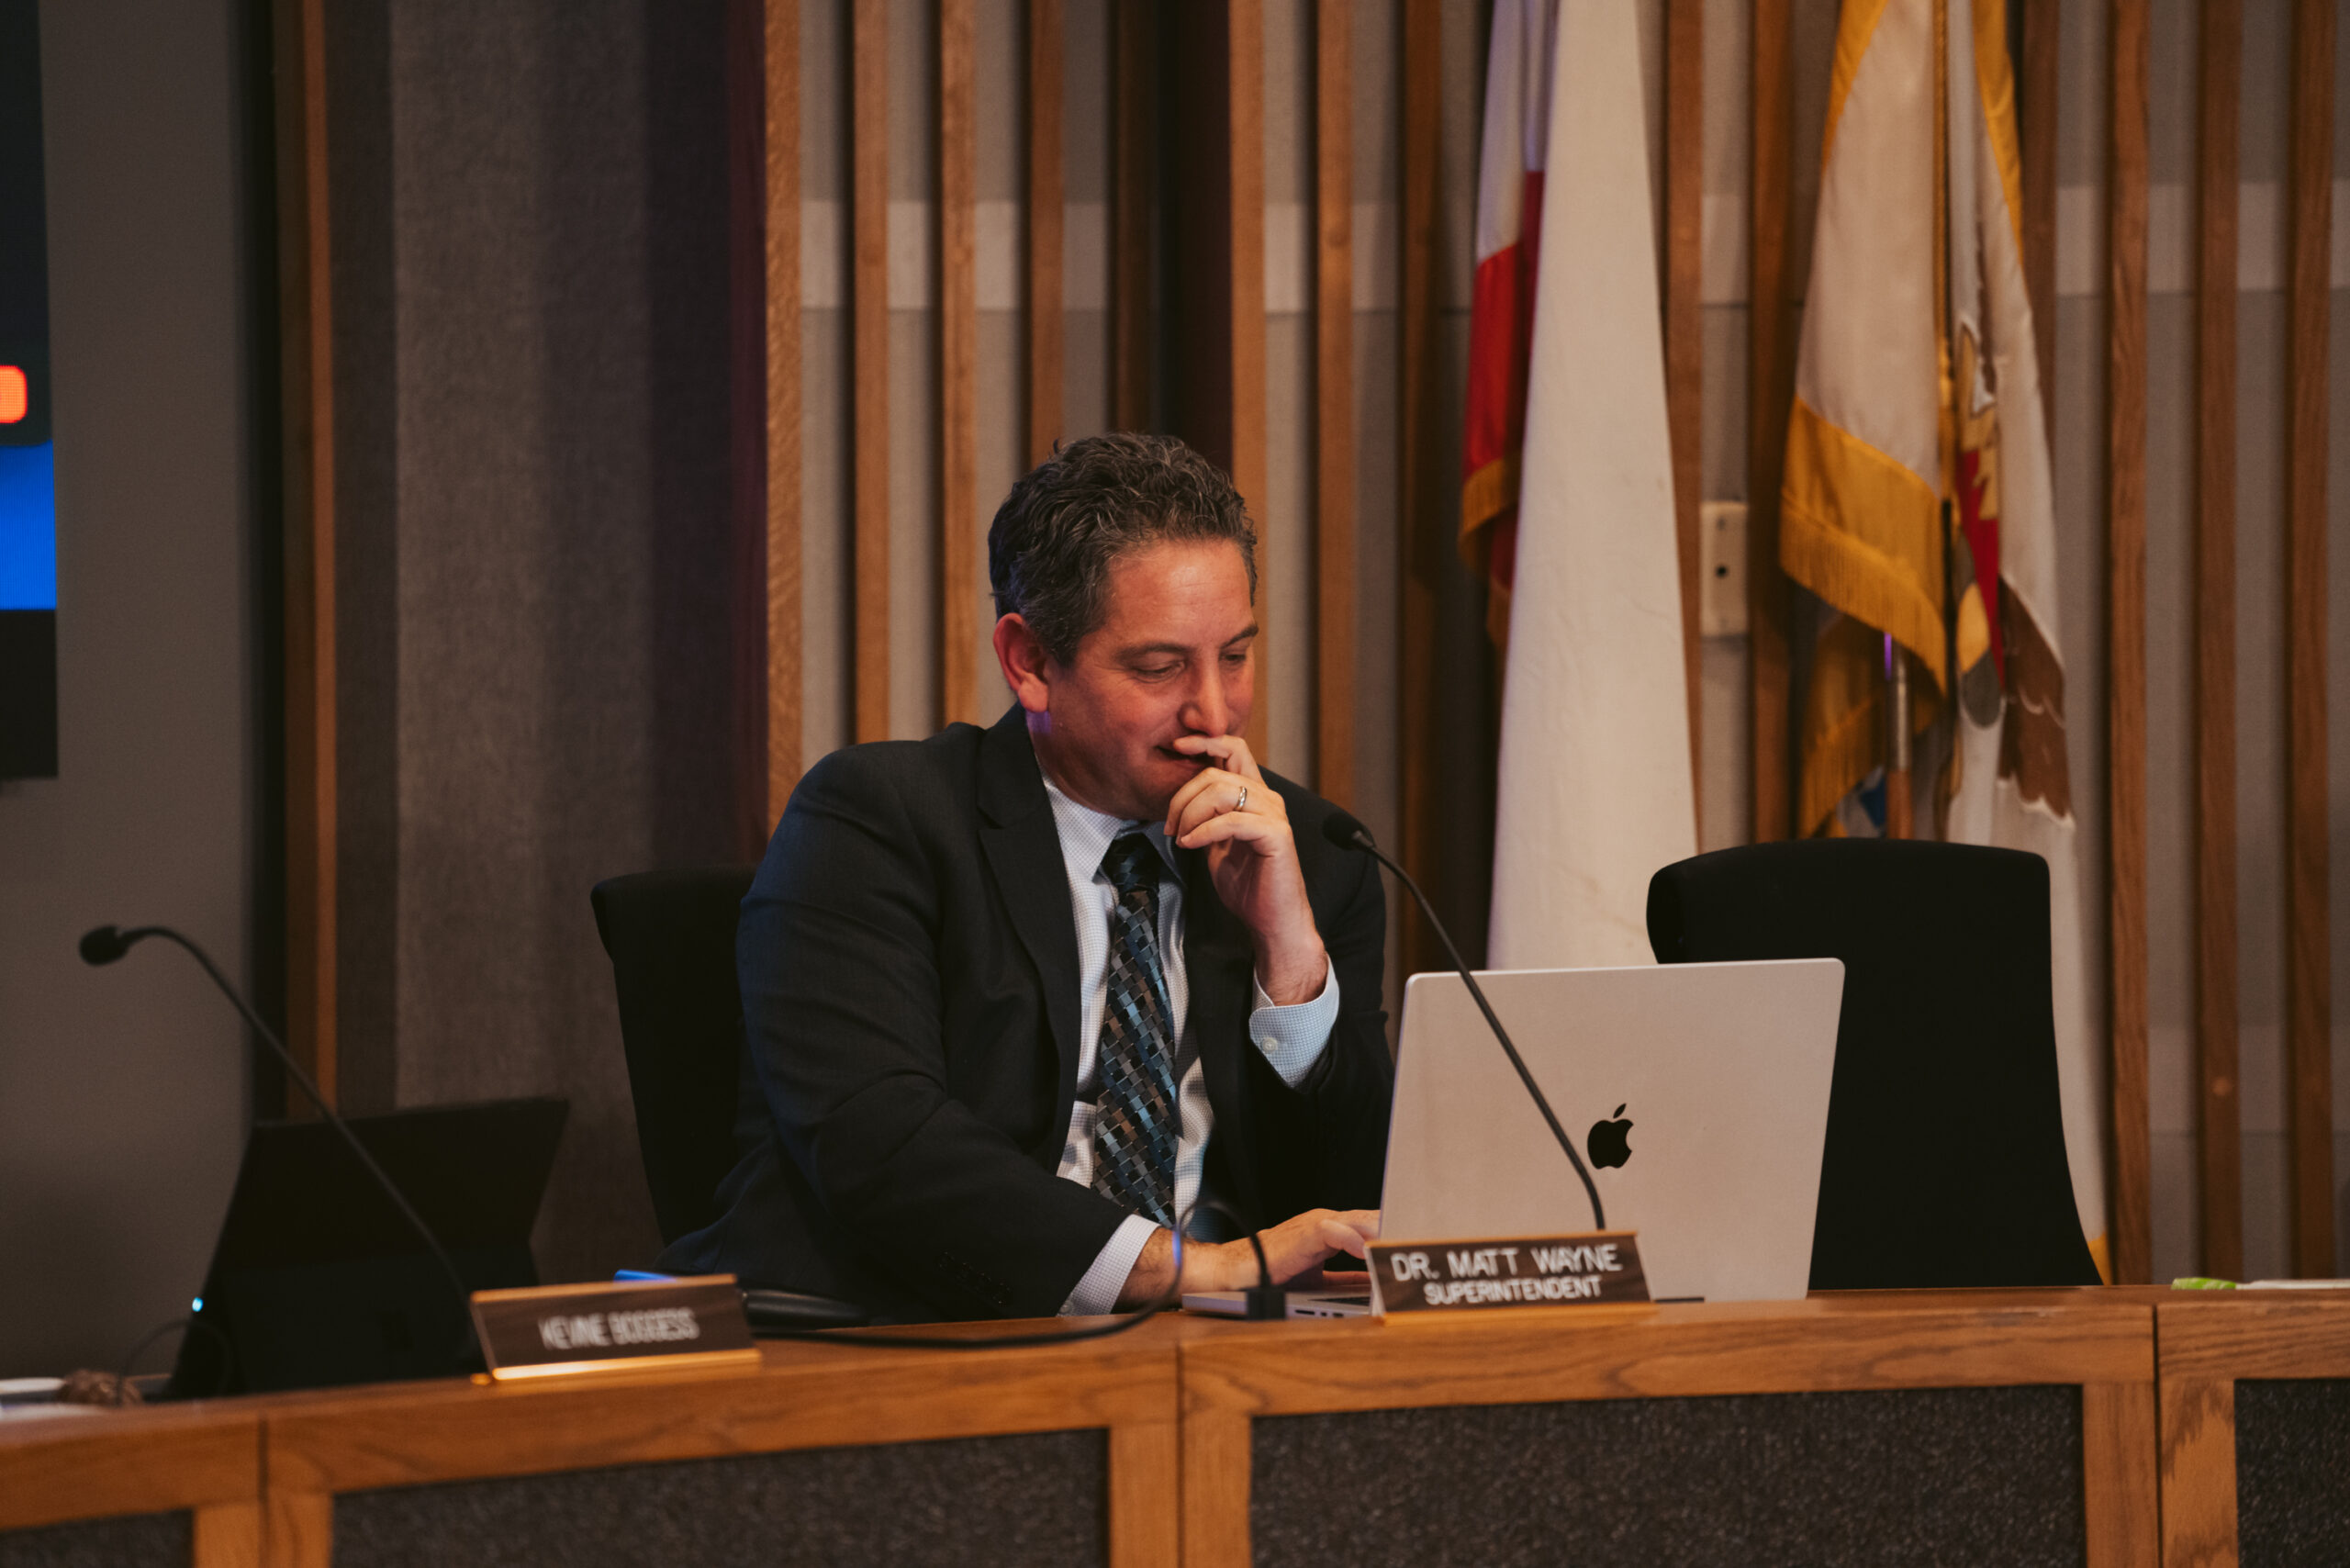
[(1945, 1162), (670, 936)]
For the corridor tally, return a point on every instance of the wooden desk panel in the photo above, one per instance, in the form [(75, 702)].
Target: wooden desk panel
[(805, 1396), (1880, 1341), (203, 1459), (2207, 1342)]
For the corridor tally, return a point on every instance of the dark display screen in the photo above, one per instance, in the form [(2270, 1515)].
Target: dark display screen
[(27, 485)]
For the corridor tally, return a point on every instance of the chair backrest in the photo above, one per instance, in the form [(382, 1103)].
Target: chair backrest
[(1945, 1162), (670, 936)]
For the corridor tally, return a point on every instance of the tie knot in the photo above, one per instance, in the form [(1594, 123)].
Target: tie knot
[(1131, 863)]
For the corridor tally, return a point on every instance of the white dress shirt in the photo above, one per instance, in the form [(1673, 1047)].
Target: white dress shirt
[(1291, 1039)]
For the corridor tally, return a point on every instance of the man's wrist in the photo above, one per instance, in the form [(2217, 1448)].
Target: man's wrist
[(1293, 973)]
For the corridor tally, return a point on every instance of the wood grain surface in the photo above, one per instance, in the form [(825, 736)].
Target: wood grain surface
[(1146, 1495), (1333, 402), (2120, 1473), (1427, 508), (2199, 1473), (869, 373), (1684, 341), (298, 1528), (958, 367), (2125, 562), (1133, 192), (1045, 217), (806, 1397), (2308, 921), (2219, 1143), (133, 1461), (781, 479), (1244, 189), (1176, 1397), (226, 1535), (1770, 391)]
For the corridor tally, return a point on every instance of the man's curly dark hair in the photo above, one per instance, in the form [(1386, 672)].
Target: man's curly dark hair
[(1072, 517)]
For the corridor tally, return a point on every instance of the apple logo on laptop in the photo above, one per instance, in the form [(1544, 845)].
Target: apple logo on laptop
[(1609, 1143)]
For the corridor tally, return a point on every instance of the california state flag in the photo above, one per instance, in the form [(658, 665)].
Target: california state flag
[(1516, 147), (1595, 785), (1917, 502)]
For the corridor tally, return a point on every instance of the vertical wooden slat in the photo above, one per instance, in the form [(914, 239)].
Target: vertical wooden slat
[(781, 231), (1426, 527), (1684, 344), (958, 357), (2219, 1142), (1770, 394), (2308, 980), (870, 305), (763, 92), (1045, 320), (1334, 403), (1130, 202), (2199, 1471), (2126, 638), (306, 366), (2122, 1475), (224, 1535), (1244, 62), (2036, 119)]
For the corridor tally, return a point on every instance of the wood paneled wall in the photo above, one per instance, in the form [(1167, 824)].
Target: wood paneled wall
[(1187, 348)]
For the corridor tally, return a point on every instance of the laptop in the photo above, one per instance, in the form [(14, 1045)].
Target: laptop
[(1697, 1093), (317, 1280)]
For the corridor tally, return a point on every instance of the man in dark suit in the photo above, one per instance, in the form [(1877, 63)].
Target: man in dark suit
[(1015, 999)]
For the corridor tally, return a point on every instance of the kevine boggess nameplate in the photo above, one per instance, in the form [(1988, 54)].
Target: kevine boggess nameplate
[(554, 1329)]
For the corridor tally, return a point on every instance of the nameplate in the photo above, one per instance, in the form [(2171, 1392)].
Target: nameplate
[(554, 1330), (1553, 1271)]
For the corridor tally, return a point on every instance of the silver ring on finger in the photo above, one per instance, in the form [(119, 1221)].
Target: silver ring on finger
[(1241, 804)]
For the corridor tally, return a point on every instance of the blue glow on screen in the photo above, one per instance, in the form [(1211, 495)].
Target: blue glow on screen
[(28, 528)]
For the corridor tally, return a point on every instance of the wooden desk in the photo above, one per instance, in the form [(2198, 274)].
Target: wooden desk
[(1513, 1484), (2210, 1342), (133, 1485), (1281, 1440)]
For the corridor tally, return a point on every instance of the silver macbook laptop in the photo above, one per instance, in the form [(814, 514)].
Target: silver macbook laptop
[(1696, 1092)]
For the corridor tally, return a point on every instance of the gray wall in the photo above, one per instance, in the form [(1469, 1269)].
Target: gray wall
[(530, 208), (122, 1091)]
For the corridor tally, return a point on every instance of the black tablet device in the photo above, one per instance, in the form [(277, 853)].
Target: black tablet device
[(317, 1281)]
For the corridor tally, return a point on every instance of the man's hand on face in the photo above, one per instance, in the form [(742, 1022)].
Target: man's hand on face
[(1294, 1248), (1228, 810)]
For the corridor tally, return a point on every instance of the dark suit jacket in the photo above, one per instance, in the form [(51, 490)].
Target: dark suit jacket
[(910, 995)]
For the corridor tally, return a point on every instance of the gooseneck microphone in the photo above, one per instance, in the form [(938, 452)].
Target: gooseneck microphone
[(1343, 830), (108, 943)]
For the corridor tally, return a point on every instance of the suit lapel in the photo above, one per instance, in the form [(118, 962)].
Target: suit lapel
[(1218, 963), (1024, 852)]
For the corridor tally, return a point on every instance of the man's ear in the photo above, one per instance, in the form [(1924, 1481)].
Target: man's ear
[(1022, 658)]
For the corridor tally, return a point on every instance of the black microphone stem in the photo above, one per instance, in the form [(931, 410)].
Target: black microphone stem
[(1598, 1212), (309, 1087)]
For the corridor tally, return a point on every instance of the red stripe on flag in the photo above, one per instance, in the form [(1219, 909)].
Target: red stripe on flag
[(1501, 345)]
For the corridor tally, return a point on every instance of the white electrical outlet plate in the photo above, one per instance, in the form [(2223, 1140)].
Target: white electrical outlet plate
[(1721, 563)]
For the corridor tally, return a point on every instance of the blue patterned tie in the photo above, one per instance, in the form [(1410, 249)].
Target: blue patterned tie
[(1136, 1121)]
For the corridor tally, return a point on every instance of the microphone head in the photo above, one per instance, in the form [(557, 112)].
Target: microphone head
[(103, 944), (1345, 830)]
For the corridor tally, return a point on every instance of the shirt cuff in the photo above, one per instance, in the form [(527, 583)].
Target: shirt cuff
[(1097, 1293), (1292, 1037)]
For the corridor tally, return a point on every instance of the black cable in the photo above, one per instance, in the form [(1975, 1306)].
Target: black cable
[(94, 951), (1119, 1324), (227, 1355), (1361, 841)]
